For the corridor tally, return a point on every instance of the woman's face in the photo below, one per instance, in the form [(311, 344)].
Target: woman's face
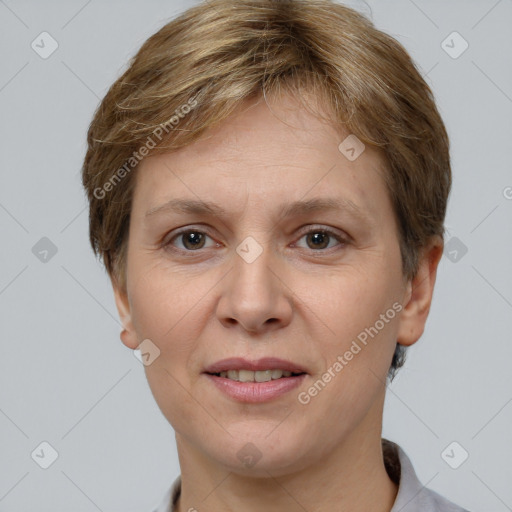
[(254, 278)]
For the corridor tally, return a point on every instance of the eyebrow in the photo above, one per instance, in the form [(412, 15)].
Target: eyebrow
[(198, 207)]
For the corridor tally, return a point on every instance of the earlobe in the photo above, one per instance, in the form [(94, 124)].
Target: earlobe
[(128, 335), (419, 294)]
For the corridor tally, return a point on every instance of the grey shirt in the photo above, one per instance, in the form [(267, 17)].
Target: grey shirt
[(412, 495)]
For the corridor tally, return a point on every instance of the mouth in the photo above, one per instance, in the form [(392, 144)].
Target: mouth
[(255, 381)]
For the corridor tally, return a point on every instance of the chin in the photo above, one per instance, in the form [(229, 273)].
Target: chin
[(262, 455)]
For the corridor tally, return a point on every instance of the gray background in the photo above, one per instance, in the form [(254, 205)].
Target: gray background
[(67, 379)]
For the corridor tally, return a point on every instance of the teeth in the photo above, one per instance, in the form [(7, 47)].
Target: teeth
[(263, 376), (277, 374), (255, 376), (245, 376)]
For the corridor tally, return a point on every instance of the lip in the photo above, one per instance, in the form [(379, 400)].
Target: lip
[(256, 392), (266, 363)]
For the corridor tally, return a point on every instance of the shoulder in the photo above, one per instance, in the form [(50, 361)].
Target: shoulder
[(412, 495), (170, 497)]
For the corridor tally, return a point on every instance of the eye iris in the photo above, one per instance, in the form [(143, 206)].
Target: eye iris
[(194, 238), (319, 237)]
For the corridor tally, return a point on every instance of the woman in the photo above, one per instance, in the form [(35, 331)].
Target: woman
[(268, 185)]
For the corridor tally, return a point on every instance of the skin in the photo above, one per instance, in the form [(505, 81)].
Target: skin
[(301, 300)]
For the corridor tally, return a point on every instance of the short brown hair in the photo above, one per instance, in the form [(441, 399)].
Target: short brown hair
[(193, 73)]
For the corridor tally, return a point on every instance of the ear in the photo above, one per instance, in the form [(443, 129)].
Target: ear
[(128, 335), (419, 294)]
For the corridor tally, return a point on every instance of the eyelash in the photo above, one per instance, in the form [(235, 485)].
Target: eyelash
[(167, 244)]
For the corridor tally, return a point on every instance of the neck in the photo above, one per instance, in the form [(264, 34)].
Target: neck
[(353, 478)]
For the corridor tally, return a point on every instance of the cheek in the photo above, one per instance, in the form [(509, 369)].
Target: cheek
[(357, 352), (353, 299), (162, 300), (358, 309), (166, 309)]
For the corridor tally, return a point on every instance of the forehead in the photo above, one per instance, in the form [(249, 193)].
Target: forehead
[(266, 152)]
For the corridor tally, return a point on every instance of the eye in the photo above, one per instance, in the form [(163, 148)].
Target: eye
[(320, 238), (191, 240)]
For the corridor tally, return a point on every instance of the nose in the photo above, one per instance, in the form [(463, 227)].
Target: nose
[(255, 295)]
